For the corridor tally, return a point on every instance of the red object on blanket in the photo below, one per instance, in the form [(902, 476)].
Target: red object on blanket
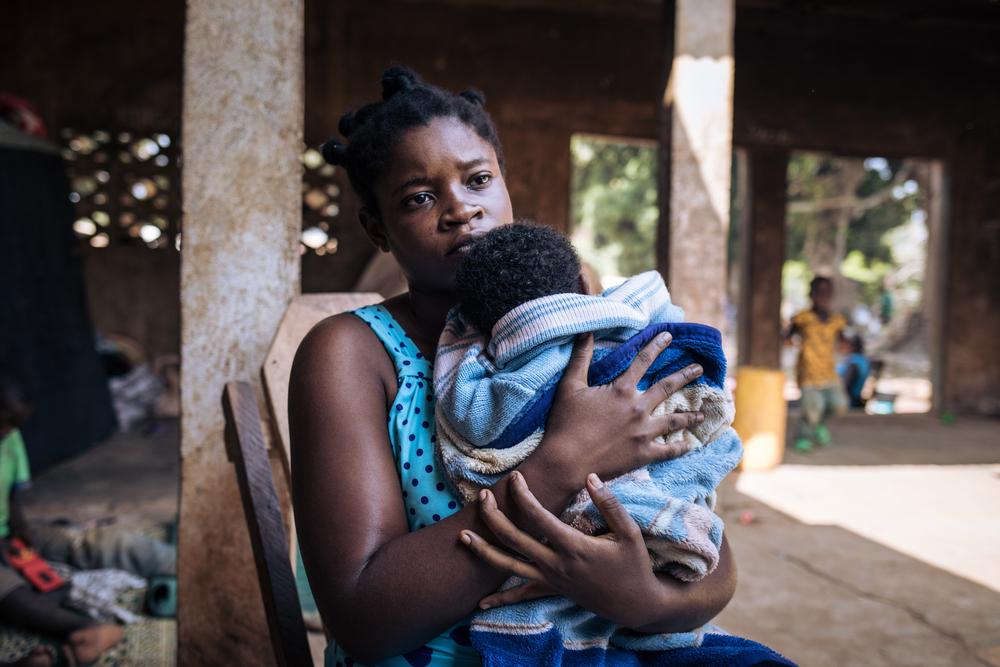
[(33, 567)]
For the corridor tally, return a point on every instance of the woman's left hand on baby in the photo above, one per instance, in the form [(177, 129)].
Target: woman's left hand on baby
[(610, 575)]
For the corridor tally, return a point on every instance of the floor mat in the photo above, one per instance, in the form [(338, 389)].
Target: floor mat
[(151, 642)]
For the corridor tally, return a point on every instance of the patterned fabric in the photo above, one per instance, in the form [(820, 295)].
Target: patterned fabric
[(147, 643), (819, 338), (426, 496), (672, 501), (717, 650)]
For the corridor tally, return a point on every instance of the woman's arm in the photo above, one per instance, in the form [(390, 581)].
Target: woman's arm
[(381, 589)]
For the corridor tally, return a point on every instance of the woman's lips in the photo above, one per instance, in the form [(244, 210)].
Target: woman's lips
[(463, 244)]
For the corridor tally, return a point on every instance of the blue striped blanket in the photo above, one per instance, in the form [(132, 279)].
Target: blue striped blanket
[(492, 401)]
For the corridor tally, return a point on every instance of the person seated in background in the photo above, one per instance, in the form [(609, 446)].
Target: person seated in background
[(78, 638), (854, 370), (83, 639)]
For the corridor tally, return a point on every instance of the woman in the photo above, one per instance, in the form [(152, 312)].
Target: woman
[(394, 563)]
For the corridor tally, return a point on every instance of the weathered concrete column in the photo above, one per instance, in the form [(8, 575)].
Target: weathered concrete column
[(762, 254), (699, 97), (242, 137)]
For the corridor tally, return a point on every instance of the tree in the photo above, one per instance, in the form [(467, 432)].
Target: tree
[(837, 205), (613, 204)]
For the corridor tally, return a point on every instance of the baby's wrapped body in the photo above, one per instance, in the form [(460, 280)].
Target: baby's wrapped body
[(493, 398)]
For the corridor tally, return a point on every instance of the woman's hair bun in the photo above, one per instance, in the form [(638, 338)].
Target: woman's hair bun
[(474, 96), (334, 152), (398, 79)]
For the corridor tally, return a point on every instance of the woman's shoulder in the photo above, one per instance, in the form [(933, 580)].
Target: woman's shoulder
[(336, 330), (342, 342)]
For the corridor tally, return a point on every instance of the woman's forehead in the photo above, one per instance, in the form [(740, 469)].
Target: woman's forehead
[(443, 144)]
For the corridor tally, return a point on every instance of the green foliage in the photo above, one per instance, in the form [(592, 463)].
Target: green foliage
[(868, 271), (613, 205), (883, 203)]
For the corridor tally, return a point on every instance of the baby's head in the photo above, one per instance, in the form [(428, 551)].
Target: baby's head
[(512, 265)]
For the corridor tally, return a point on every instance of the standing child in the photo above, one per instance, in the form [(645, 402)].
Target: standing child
[(819, 331)]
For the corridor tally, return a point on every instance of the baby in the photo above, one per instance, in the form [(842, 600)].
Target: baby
[(501, 356)]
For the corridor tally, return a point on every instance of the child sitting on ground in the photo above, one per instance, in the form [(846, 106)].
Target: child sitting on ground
[(854, 370), (819, 331), (82, 640), (500, 357)]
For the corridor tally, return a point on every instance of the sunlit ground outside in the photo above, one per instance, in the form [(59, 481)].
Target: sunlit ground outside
[(882, 549)]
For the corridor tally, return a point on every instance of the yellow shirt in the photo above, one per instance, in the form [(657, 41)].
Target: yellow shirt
[(819, 340)]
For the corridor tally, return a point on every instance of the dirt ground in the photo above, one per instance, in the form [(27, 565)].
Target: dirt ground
[(883, 549)]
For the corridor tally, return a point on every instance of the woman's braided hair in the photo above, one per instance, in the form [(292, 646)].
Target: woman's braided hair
[(407, 102)]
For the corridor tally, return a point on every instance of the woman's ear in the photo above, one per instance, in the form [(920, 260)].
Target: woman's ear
[(584, 282), (373, 227)]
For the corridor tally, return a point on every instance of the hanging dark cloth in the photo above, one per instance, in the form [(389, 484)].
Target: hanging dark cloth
[(45, 334)]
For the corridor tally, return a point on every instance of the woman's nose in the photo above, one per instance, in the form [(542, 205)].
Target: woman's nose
[(461, 209)]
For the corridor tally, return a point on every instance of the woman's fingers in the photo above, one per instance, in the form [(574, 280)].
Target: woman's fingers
[(647, 355), (538, 519), (510, 535), (676, 421), (668, 386), (579, 360), (529, 591), (497, 558), (667, 451), (618, 518)]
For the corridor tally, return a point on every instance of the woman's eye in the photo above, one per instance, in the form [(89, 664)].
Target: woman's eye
[(418, 199), (480, 180)]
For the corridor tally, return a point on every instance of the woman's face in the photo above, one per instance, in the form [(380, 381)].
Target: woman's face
[(443, 188)]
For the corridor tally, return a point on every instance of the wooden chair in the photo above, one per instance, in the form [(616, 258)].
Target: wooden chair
[(248, 452), (258, 448)]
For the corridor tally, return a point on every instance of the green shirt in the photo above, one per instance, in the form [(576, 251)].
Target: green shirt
[(14, 473)]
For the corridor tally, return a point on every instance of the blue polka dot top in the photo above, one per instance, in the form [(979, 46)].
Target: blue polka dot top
[(426, 497)]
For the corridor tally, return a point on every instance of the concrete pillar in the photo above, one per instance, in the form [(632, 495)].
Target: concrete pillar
[(937, 186), (699, 96), (762, 254), (969, 381), (242, 137)]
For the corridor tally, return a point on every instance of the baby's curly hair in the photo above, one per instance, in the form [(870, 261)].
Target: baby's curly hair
[(511, 265)]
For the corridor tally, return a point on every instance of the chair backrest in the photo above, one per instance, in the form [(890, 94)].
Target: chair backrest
[(247, 450), (264, 487), (303, 313)]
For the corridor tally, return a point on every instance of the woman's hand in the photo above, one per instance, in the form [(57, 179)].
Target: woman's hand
[(610, 575), (610, 429)]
